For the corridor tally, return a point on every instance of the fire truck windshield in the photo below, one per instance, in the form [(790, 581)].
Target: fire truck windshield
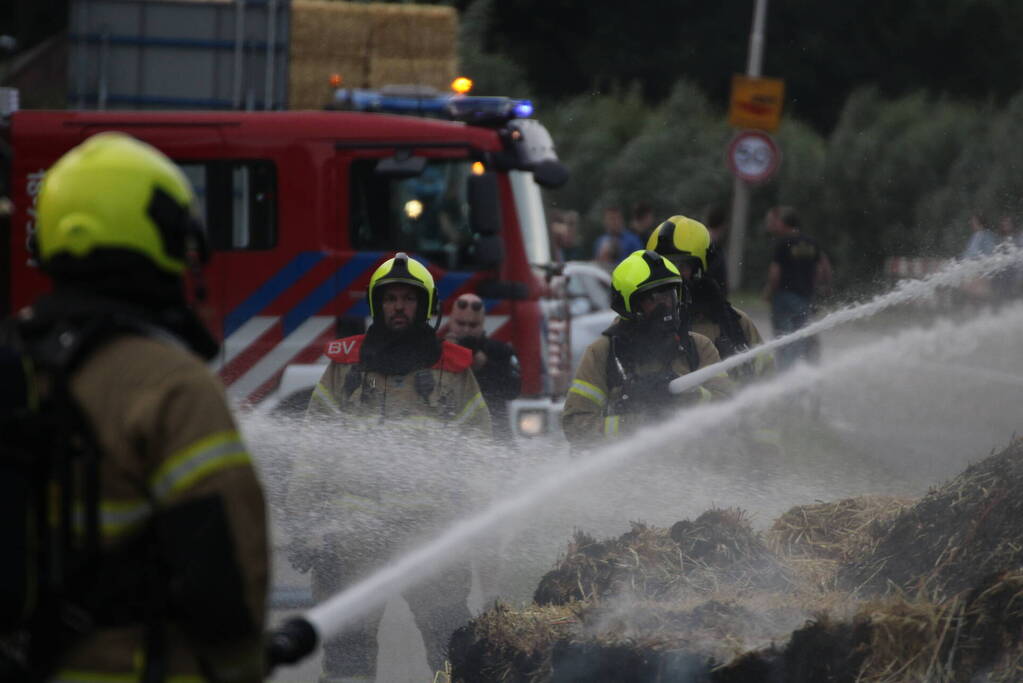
[(529, 207), (428, 214)]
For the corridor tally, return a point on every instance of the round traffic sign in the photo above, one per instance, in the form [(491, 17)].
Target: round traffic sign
[(753, 156)]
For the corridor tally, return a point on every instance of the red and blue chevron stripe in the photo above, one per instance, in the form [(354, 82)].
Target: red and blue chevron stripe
[(290, 317)]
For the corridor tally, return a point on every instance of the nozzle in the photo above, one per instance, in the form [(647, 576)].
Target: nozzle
[(291, 642)]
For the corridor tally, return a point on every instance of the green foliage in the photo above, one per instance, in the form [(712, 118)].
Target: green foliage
[(897, 177), (897, 174), (590, 131), (674, 162), (884, 158), (968, 49)]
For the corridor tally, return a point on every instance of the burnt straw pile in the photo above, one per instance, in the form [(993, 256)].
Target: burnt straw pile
[(951, 540), (719, 547), (870, 589), (654, 604)]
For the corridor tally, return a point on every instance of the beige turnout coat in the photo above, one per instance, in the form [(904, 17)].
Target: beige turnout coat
[(762, 364), (590, 414), (168, 441)]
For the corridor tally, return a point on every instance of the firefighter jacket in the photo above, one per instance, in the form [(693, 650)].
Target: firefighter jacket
[(761, 365), (599, 406), (179, 489), (409, 472), (439, 397)]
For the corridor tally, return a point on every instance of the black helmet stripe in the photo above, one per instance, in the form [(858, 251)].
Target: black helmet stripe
[(399, 269), (171, 220), (658, 269), (666, 238)]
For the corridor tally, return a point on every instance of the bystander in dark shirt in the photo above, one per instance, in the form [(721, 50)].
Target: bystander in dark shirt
[(797, 257)]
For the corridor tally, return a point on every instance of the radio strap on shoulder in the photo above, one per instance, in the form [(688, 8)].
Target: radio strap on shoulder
[(353, 380), (732, 327), (685, 342), (616, 373), (425, 384)]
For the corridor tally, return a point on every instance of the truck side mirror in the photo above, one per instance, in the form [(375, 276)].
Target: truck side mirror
[(484, 204), (550, 173)]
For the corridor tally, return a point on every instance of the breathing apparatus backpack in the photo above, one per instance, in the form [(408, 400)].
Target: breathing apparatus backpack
[(49, 493)]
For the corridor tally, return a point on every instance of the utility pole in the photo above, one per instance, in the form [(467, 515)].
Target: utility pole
[(740, 188)]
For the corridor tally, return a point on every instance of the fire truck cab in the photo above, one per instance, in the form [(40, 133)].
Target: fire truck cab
[(302, 206)]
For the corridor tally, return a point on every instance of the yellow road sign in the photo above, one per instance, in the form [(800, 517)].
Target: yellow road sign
[(756, 102)]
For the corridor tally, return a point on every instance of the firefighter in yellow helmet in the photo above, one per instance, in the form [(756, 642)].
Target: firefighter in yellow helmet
[(622, 380), (163, 573), (403, 387), (685, 242), (365, 382)]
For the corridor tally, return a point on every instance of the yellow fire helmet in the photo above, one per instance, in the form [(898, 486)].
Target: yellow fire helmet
[(682, 240), (114, 194), (404, 270), (641, 271)]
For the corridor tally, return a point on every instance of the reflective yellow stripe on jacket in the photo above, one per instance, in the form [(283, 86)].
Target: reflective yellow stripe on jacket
[(611, 424), (322, 396), (587, 390), (470, 409), (207, 456), (121, 516)]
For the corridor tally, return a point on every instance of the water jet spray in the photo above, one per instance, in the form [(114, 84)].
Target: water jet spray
[(953, 275), (328, 618)]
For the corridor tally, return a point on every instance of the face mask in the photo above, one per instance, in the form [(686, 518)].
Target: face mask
[(662, 321)]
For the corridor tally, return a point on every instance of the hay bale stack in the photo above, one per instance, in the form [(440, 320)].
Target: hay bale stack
[(369, 45), (953, 538), (697, 557)]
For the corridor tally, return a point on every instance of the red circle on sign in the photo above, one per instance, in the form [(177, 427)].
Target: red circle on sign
[(753, 156)]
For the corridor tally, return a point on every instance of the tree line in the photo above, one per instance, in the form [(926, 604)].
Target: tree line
[(895, 177), (900, 118)]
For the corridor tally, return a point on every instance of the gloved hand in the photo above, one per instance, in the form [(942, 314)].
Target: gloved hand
[(689, 397)]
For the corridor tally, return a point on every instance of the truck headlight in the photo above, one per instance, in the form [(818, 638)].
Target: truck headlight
[(532, 422)]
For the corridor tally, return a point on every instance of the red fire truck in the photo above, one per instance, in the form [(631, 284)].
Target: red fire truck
[(302, 206)]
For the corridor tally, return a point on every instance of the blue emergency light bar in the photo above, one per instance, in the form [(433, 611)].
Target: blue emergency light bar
[(467, 108)]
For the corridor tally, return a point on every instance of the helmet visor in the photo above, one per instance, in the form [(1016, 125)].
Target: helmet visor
[(665, 297)]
